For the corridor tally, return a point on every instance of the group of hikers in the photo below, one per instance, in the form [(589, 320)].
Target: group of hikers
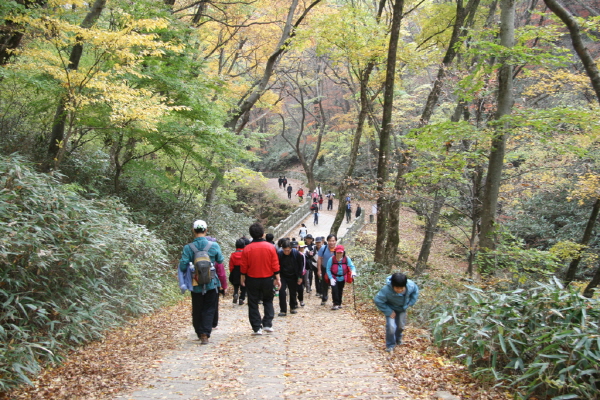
[(260, 270)]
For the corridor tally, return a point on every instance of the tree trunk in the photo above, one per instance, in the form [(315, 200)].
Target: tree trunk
[(588, 62), (496, 160), (430, 228), (589, 289), (60, 117), (11, 33), (587, 235), (393, 221), (458, 33), (386, 130)]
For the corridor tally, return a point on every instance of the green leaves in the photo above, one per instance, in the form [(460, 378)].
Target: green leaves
[(542, 340), (69, 269)]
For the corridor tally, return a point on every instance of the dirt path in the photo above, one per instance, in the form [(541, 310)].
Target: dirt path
[(315, 354)]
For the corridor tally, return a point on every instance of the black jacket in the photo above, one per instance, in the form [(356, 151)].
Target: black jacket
[(297, 267)]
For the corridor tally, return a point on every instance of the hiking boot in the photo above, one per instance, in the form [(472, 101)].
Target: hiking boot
[(258, 332), (318, 294), (302, 304), (389, 349), (281, 314), (235, 298), (294, 311), (203, 339), (268, 329), (241, 302)]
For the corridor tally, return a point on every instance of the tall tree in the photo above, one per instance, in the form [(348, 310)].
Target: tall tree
[(487, 240), (386, 130), (57, 143)]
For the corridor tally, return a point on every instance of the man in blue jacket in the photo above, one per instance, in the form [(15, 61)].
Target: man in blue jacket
[(393, 300)]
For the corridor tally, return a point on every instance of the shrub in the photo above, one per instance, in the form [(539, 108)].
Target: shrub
[(542, 340), (69, 268)]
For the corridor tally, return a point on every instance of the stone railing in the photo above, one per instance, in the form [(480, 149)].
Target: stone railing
[(354, 227), (291, 221)]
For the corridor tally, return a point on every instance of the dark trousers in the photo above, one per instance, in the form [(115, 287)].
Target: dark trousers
[(289, 195), (315, 278), (300, 289), (324, 285), (348, 215), (337, 292), (292, 285), (329, 205), (316, 219), (215, 322), (260, 289), (204, 307), (241, 289)]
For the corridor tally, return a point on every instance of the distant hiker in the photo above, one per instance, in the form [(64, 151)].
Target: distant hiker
[(315, 196), (293, 242), (393, 301), (358, 210), (289, 190), (284, 182), (303, 232), (300, 194), (324, 254), (348, 212), (319, 191), (269, 238), (320, 202), (260, 276), (330, 197), (348, 197), (291, 264), (316, 217), (311, 262), (302, 285), (280, 181), (234, 272), (340, 270), (205, 296)]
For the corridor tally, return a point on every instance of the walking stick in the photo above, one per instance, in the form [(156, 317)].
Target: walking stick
[(354, 294)]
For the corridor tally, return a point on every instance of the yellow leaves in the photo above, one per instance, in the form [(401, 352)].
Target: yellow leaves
[(587, 187), (555, 81)]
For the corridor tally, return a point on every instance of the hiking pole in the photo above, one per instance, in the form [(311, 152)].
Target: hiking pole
[(354, 295)]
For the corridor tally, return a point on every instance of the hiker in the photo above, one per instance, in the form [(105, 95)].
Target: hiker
[(291, 264), (330, 197), (316, 218), (393, 301), (340, 270), (310, 253), (324, 254), (269, 238), (260, 276), (303, 232), (205, 296), (358, 210), (284, 182), (289, 190), (300, 194), (280, 181), (320, 202), (234, 272), (348, 212), (302, 285), (319, 190)]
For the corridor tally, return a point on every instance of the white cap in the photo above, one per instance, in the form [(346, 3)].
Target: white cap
[(200, 224)]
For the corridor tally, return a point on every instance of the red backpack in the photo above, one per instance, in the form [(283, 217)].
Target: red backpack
[(335, 267)]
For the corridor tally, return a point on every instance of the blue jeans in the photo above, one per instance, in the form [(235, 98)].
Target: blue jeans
[(394, 328)]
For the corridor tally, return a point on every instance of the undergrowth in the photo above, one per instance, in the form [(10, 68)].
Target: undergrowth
[(69, 269)]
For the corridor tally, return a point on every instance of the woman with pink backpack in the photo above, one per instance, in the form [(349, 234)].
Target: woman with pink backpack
[(340, 270)]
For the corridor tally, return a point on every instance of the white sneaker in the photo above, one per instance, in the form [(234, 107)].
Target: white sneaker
[(258, 332), (268, 329)]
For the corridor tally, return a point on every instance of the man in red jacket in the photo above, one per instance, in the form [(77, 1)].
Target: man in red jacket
[(260, 276)]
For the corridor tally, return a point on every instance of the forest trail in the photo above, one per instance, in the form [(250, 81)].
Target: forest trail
[(325, 217), (315, 354)]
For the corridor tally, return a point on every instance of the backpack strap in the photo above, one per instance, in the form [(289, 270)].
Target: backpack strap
[(193, 247), (208, 246)]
